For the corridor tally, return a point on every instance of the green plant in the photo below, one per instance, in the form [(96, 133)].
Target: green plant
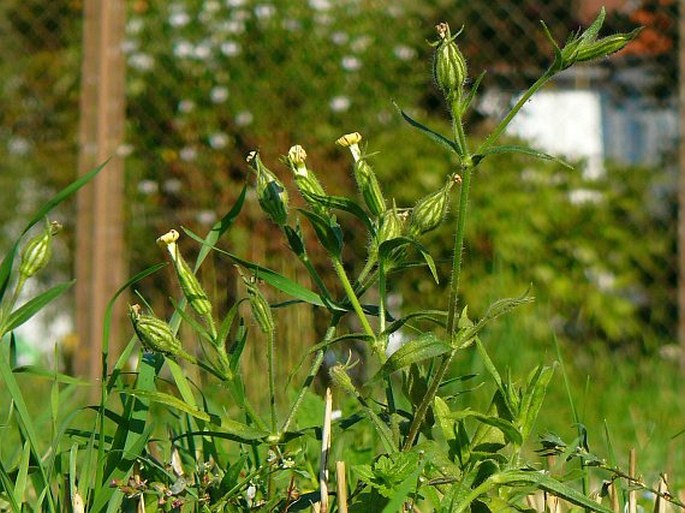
[(159, 440)]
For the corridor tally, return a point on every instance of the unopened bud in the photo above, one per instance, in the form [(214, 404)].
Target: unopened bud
[(271, 193), (604, 47), (341, 379), (449, 65), (430, 211), (364, 175), (309, 186), (155, 335), (190, 285), (37, 252), (391, 226), (261, 310)]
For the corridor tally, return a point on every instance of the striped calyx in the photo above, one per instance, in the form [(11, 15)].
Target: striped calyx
[(37, 252), (261, 311), (364, 175), (155, 335), (190, 285), (309, 186), (449, 65), (271, 193), (430, 211)]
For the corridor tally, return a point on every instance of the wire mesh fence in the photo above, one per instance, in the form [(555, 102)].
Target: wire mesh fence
[(209, 80)]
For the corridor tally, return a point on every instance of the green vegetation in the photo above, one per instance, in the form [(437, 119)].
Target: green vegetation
[(446, 421)]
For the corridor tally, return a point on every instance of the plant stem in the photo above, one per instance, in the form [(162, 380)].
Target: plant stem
[(272, 378), (502, 126), (455, 276), (313, 370), (349, 291)]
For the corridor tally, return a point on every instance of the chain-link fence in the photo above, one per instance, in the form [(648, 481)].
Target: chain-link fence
[(209, 80)]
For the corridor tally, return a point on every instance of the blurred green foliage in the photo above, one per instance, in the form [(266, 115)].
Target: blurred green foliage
[(208, 81)]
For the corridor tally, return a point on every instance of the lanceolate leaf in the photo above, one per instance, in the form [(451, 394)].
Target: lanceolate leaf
[(524, 150), (431, 134), (346, 205), (327, 231), (385, 249), (231, 430), (427, 345), (33, 306), (172, 402), (8, 259), (550, 485), (435, 316), (533, 397), (275, 279)]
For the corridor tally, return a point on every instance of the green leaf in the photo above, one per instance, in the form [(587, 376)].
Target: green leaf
[(427, 345), (550, 485), (386, 248), (26, 426), (524, 150), (231, 430), (170, 401), (33, 306), (444, 419), (8, 260), (327, 231), (533, 397), (8, 487), (472, 93), (435, 316), (431, 134), (273, 278), (22, 474), (40, 372), (220, 228), (345, 204)]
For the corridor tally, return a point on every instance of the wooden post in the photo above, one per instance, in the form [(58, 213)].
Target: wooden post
[(99, 223)]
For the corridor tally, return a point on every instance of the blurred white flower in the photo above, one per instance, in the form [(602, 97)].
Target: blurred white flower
[(264, 11), (124, 150), (339, 37), (179, 19), (188, 154), (141, 61), (340, 103), (351, 63), (244, 118), (361, 43), (232, 27), (211, 6), (202, 51), (129, 46), (291, 24), (404, 53), (230, 48), (186, 106), (320, 5), (323, 19), (183, 49), (218, 94), (172, 185), (218, 140), (206, 217), (235, 3), (18, 146), (134, 25), (148, 187)]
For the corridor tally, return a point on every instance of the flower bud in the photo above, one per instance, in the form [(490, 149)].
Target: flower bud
[(155, 335), (430, 211), (391, 225), (261, 310), (449, 65), (37, 252), (364, 175), (309, 186), (341, 379), (271, 193), (190, 285), (604, 47)]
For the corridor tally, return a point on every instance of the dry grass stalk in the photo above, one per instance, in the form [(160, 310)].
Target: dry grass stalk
[(632, 471), (325, 451), (342, 486)]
